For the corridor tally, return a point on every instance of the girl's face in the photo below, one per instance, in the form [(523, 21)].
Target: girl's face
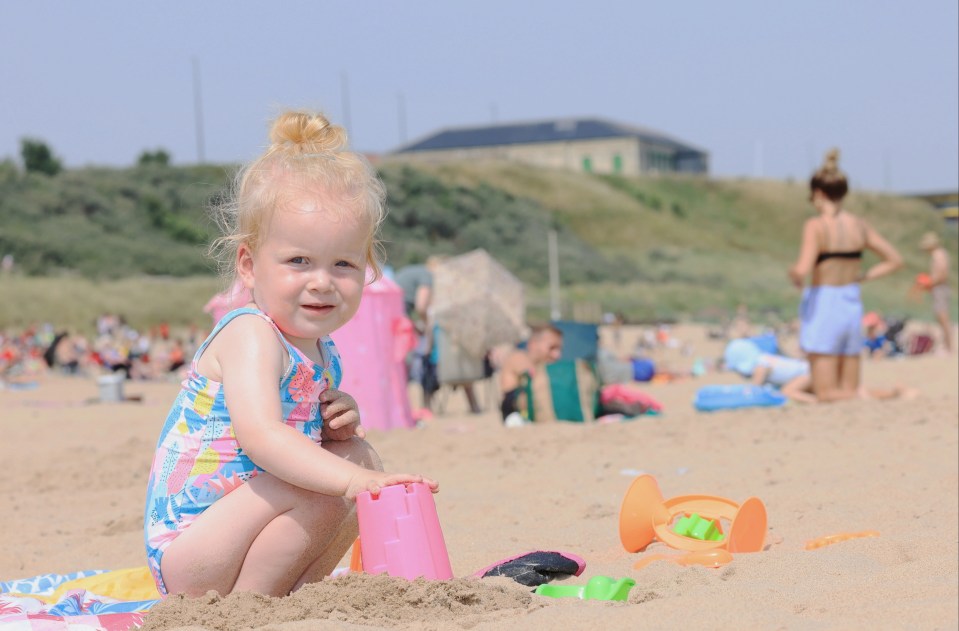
[(309, 270)]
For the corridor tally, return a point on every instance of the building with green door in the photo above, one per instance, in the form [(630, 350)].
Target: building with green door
[(579, 144)]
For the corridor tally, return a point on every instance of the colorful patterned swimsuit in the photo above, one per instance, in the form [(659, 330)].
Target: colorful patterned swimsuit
[(198, 459)]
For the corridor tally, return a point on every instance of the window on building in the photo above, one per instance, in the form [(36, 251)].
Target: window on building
[(587, 164), (659, 161)]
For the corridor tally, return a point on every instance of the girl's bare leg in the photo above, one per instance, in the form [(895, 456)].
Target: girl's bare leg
[(826, 372), (326, 563), (800, 389), (266, 536), (358, 451), (850, 373), (945, 323)]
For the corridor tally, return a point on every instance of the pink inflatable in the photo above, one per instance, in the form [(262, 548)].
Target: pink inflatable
[(228, 300), (373, 346)]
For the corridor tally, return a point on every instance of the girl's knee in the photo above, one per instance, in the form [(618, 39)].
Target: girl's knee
[(316, 510)]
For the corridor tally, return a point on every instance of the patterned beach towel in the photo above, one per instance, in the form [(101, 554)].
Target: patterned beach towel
[(92, 599)]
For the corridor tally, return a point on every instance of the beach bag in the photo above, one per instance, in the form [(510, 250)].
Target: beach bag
[(643, 369), (920, 344), (621, 399), (566, 390)]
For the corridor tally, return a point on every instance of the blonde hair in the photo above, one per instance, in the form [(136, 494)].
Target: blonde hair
[(829, 179), (306, 153)]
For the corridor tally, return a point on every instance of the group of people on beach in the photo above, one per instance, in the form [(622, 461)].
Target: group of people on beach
[(261, 456), (833, 330), (115, 347)]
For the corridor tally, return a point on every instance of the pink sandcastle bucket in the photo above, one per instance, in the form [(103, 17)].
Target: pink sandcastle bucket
[(400, 533)]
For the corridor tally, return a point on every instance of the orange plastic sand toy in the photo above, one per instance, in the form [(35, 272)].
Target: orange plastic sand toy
[(828, 540), (717, 557), (356, 561), (645, 516)]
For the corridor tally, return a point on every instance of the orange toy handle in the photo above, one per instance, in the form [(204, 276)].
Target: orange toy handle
[(828, 540), (356, 561), (716, 557)]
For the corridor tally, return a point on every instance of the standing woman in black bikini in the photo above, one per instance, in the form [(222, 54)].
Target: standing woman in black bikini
[(831, 309)]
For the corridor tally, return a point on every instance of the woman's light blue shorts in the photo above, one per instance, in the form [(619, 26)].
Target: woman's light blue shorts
[(831, 320)]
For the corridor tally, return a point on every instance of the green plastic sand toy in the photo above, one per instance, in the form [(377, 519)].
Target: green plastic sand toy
[(597, 588), (696, 527)]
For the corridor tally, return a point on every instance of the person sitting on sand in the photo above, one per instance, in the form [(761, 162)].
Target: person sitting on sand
[(544, 346), (789, 374), (260, 459), (879, 340)]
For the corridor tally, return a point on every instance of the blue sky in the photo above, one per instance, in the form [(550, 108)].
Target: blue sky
[(765, 87)]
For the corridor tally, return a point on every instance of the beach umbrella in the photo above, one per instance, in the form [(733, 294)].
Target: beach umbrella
[(477, 302)]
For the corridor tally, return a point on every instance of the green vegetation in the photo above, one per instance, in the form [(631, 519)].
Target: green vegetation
[(699, 246), (159, 157), (92, 240), (37, 157), (429, 215), (76, 302), (109, 223)]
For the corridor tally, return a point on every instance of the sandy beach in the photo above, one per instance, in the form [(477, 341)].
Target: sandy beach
[(75, 473)]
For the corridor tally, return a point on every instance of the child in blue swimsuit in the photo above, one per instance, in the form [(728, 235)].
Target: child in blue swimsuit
[(260, 457)]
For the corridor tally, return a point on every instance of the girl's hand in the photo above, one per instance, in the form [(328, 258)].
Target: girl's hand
[(374, 481), (341, 417), (796, 278)]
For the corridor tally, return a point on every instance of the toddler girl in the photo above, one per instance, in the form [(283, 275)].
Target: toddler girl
[(260, 457)]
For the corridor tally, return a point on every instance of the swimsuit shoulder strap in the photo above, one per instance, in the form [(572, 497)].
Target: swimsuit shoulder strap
[(232, 315)]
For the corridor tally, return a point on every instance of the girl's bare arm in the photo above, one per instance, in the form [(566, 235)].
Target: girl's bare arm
[(808, 251), (939, 267), (759, 375), (890, 258), (252, 361)]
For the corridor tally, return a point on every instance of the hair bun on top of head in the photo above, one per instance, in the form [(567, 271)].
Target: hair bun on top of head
[(831, 161), (306, 132), (829, 179)]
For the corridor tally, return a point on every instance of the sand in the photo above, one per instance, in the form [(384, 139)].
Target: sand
[(75, 472)]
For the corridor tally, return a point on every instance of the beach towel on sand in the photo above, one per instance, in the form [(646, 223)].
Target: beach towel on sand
[(722, 397), (96, 599), (621, 398)]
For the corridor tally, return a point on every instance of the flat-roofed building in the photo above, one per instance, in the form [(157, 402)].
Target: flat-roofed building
[(578, 144)]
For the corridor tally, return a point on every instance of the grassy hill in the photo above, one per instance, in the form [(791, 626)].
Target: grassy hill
[(702, 246), (133, 240)]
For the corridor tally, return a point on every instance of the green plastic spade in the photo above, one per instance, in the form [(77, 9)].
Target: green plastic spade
[(597, 588)]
